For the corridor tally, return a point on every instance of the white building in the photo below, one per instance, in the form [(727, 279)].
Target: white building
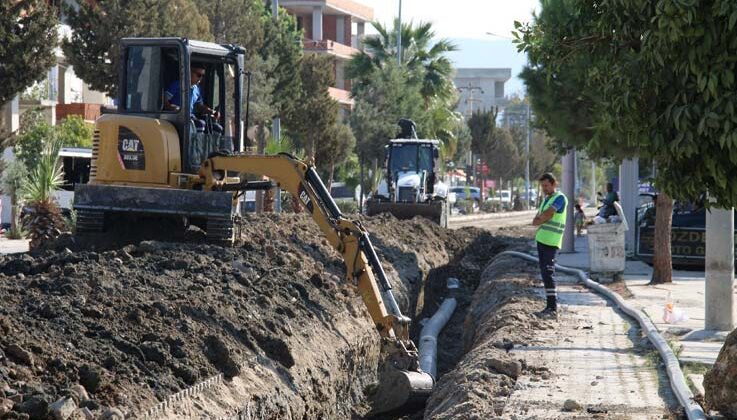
[(480, 88)]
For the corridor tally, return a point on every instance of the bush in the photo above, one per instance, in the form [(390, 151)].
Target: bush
[(31, 142), (347, 207), (465, 206), (491, 206), (73, 131)]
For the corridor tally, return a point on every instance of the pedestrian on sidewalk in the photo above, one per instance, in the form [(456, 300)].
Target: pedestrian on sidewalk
[(580, 219), (551, 222)]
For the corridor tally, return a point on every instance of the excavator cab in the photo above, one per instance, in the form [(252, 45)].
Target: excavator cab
[(158, 81)]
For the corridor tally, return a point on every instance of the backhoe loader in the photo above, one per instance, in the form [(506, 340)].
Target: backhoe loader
[(154, 160)]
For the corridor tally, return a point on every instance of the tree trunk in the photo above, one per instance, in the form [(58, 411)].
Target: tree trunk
[(662, 263), (363, 185), (13, 212), (330, 177)]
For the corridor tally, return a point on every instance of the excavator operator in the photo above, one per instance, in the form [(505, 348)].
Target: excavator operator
[(197, 106)]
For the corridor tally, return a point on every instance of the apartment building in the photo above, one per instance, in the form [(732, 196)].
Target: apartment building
[(480, 89), (333, 27)]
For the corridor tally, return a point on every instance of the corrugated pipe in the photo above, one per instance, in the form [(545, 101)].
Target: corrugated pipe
[(431, 329), (672, 366)]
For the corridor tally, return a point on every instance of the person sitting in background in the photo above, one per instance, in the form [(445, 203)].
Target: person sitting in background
[(607, 208)]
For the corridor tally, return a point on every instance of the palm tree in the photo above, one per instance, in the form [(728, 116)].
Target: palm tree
[(425, 59), (43, 220)]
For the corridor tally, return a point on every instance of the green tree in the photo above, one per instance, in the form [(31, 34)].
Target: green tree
[(334, 149), (503, 157), (33, 140), (426, 68), (316, 112), (73, 131), (97, 27), (482, 125), (28, 37), (659, 81), (425, 58), (391, 94)]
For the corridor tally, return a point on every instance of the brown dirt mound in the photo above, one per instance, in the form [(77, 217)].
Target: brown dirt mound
[(499, 317), (136, 324), (720, 383)]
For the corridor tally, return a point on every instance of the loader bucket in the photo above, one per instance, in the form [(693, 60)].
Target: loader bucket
[(437, 211), (400, 390)]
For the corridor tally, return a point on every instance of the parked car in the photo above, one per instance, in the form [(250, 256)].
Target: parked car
[(503, 197), (462, 192)]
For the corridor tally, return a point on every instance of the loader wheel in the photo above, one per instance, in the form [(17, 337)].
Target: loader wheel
[(220, 231), (90, 221)]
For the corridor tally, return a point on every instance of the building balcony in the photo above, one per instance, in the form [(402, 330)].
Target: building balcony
[(327, 46), (88, 112), (342, 96)]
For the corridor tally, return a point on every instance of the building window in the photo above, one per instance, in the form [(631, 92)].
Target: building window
[(498, 89)]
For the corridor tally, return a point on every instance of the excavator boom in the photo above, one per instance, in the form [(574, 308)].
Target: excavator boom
[(402, 382)]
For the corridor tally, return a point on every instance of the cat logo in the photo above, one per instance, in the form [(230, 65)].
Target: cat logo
[(129, 145)]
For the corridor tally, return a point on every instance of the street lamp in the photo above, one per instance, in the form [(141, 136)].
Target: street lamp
[(399, 36)]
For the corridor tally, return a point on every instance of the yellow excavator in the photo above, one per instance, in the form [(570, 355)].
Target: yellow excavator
[(154, 157)]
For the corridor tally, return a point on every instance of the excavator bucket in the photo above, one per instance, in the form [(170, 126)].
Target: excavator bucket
[(400, 390), (437, 211)]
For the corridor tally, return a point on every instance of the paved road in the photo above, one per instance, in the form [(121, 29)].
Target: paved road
[(494, 221), (593, 356)]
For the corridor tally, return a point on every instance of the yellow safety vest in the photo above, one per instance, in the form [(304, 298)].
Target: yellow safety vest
[(551, 232)]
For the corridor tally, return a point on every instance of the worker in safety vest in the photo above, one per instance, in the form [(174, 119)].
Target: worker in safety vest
[(551, 223)]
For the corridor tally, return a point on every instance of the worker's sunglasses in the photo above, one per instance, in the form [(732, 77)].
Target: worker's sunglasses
[(199, 75)]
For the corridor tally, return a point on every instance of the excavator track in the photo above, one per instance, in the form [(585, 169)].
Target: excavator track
[(220, 230), (90, 221)]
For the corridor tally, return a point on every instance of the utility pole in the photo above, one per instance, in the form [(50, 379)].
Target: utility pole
[(719, 294), (593, 183), (569, 168), (399, 36), (276, 123), (471, 100), (527, 156)]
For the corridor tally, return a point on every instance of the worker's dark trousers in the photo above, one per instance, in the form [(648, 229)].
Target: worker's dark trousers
[(546, 254)]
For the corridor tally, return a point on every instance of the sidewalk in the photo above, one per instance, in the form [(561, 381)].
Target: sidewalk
[(13, 246), (692, 343)]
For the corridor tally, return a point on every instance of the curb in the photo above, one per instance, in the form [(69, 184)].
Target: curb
[(672, 366)]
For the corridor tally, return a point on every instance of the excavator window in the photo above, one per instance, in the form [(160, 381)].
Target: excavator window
[(149, 69)]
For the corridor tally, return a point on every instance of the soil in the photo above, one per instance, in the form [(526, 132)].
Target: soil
[(499, 317), (270, 325)]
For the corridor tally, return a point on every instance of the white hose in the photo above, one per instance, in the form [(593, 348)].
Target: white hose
[(672, 366)]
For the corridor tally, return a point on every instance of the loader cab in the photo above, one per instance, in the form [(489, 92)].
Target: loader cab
[(154, 68), (408, 156)]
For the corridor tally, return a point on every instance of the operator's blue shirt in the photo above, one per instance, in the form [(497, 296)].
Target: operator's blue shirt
[(559, 204), (174, 95)]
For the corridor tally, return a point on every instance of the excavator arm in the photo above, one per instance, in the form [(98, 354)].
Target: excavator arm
[(401, 380)]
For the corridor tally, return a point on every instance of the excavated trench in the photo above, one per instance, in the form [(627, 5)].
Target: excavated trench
[(268, 329)]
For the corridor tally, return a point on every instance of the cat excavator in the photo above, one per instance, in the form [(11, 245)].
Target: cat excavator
[(152, 159)]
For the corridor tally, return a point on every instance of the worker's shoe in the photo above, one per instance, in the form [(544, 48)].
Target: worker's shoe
[(547, 313)]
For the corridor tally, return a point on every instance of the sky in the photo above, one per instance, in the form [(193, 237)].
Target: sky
[(466, 22)]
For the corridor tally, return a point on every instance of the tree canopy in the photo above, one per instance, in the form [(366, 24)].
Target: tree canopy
[(97, 27), (28, 37), (641, 77)]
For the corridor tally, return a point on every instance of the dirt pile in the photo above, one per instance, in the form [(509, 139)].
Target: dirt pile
[(720, 383), (119, 331), (498, 318)]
